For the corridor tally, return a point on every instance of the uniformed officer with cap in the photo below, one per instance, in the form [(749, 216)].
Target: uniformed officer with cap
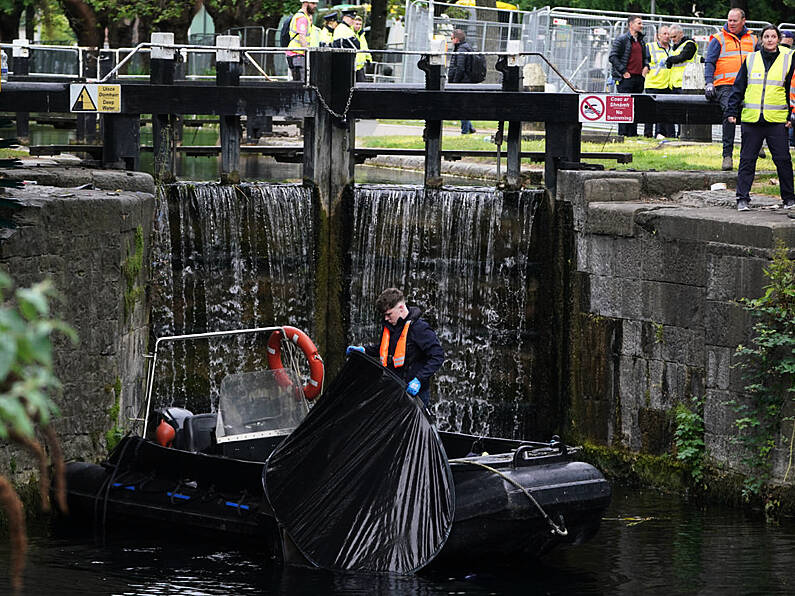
[(327, 32), (344, 35)]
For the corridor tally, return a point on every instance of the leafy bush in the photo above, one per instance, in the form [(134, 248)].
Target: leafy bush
[(768, 367), (689, 437), (27, 382)]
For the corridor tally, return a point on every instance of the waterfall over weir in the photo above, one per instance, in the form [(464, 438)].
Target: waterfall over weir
[(462, 256), (227, 257)]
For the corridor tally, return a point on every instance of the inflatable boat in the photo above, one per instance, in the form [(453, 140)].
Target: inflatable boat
[(358, 480)]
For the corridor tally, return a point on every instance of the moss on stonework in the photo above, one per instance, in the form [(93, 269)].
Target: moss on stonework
[(664, 472), (115, 433)]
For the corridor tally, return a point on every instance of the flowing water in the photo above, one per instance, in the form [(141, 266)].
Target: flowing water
[(227, 257), (462, 256), (648, 544)]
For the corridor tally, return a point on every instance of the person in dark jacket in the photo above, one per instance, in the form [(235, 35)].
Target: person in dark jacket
[(629, 63), (460, 67), (409, 346), (760, 97)]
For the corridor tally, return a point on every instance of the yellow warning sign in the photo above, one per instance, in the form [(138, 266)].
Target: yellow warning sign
[(84, 102), (91, 97)]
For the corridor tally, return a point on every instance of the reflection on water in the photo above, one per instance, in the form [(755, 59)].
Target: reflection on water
[(252, 167), (648, 544)]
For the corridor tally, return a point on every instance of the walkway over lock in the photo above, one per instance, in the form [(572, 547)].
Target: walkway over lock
[(330, 102)]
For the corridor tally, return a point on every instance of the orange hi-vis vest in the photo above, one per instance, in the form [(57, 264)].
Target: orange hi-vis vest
[(733, 52), (399, 357)]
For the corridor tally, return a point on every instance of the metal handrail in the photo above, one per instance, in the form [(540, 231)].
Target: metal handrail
[(153, 362)]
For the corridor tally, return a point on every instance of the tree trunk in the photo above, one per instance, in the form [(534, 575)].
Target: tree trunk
[(377, 37), (9, 26), (84, 22)]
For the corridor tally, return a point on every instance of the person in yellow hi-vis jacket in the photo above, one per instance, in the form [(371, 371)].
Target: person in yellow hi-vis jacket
[(362, 58), (326, 35), (658, 79), (303, 34), (763, 91)]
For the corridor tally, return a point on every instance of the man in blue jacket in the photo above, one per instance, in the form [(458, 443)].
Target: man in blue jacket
[(409, 346)]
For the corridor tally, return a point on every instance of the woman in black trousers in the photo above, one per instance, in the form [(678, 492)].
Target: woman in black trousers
[(762, 90)]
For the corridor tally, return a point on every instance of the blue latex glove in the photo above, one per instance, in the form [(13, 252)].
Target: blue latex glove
[(709, 91), (414, 386), (352, 348)]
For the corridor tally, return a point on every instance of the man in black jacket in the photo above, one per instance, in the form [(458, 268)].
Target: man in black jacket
[(409, 346), (630, 64), (460, 67)]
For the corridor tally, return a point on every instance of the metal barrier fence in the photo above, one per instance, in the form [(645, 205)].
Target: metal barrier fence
[(576, 40)]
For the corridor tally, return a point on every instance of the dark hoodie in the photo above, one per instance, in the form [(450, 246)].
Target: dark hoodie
[(424, 354)]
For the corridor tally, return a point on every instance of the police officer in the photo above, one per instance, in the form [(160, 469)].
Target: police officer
[(326, 35), (658, 79), (726, 52), (344, 35), (303, 34), (409, 346), (762, 88)]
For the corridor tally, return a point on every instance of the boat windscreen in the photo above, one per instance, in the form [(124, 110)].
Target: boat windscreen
[(259, 403), (363, 483)]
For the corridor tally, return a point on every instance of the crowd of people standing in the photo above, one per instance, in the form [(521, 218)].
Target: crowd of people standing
[(750, 78), (346, 32)]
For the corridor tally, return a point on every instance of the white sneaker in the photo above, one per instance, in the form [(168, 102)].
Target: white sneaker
[(660, 137), (743, 205), (790, 204)]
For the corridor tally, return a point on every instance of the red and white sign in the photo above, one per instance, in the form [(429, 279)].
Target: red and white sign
[(606, 108)]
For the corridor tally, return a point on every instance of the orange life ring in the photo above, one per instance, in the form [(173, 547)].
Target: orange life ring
[(315, 384)]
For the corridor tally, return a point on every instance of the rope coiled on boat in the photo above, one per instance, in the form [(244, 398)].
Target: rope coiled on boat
[(559, 530)]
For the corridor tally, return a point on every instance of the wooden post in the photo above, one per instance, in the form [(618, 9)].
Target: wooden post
[(21, 57), (162, 73), (121, 140), (562, 145), (87, 123), (435, 77), (227, 74), (328, 168), (511, 69)]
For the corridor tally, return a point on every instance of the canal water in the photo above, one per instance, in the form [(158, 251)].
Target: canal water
[(649, 543)]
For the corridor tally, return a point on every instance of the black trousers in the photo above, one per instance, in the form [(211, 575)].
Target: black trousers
[(634, 84), (777, 137), (666, 129)]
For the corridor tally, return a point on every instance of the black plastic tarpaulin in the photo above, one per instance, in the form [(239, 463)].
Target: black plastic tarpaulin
[(363, 483)]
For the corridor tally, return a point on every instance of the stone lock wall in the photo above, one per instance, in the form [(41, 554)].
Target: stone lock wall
[(94, 245), (660, 264)]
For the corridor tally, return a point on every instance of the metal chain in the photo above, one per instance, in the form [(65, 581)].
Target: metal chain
[(344, 114)]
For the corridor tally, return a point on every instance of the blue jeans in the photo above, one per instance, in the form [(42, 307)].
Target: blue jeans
[(466, 127)]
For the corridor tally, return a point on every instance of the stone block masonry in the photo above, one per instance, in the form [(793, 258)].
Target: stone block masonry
[(94, 245), (661, 262)]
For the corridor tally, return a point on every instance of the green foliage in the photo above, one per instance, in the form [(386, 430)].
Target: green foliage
[(116, 433), (768, 367), (689, 437), (26, 367)]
